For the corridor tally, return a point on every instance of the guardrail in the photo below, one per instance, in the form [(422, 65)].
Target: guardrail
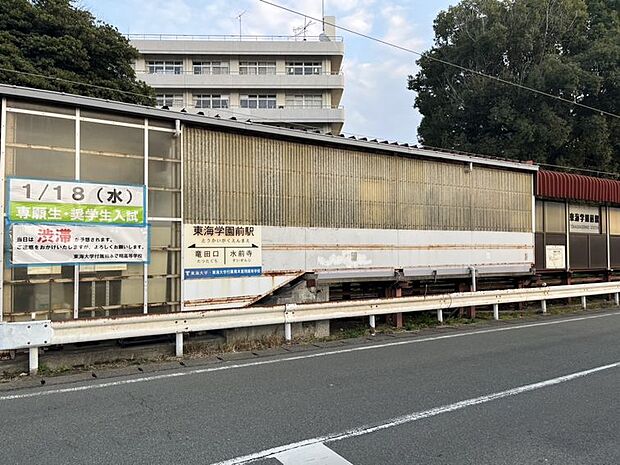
[(34, 334)]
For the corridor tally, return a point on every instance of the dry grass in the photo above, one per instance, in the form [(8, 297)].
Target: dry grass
[(199, 350)]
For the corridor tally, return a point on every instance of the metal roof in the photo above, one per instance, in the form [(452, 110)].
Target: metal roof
[(568, 186), (258, 129)]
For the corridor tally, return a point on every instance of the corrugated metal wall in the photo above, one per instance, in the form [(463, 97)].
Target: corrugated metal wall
[(232, 178)]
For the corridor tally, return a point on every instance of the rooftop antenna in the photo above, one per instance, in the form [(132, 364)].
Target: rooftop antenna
[(303, 29), (239, 18), (323, 14)]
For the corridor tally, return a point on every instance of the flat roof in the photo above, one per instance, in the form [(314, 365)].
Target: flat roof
[(236, 37), (189, 46), (51, 97)]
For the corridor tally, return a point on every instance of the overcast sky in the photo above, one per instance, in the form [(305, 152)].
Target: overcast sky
[(376, 100)]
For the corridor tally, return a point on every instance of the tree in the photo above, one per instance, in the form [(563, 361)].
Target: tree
[(568, 48), (56, 46)]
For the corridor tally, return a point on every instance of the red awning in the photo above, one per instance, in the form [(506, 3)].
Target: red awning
[(569, 186)]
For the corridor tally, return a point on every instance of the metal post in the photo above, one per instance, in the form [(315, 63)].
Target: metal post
[(179, 134), (398, 292), (473, 278), (76, 268), (496, 311), (567, 239), (617, 298), (145, 266), (372, 322), (179, 345), (440, 315), (3, 132), (543, 306), (289, 310), (583, 302), (33, 360), (607, 236), (473, 288)]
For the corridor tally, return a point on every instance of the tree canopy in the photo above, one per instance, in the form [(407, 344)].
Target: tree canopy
[(68, 46), (568, 48)]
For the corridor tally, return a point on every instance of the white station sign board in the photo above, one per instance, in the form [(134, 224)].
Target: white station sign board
[(221, 250), (34, 244), (584, 219)]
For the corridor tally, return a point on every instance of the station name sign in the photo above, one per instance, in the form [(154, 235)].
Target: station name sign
[(584, 219), (222, 250)]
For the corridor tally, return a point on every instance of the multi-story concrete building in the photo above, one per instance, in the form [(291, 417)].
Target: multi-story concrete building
[(281, 80)]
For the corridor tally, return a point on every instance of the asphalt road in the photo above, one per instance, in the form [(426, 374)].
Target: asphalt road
[(513, 394)]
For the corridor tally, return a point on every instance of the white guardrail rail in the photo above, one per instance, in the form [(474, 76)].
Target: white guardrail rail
[(34, 334)]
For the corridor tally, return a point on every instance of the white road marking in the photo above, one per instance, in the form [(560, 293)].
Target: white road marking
[(278, 451), (314, 454), (293, 358)]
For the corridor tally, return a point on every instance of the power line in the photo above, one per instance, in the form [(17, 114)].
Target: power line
[(585, 170), (69, 81), (266, 120), (245, 115), (305, 126), (300, 125), (445, 62), (53, 78)]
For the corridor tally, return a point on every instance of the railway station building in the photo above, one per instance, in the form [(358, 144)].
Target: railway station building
[(114, 210)]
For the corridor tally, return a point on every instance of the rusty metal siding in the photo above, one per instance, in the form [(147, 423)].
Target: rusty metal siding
[(234, 178), (552, 184)]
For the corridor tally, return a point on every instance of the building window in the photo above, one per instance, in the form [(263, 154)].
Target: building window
[(258, 101), (555, 217), (304, 100), (211, 101), (169, 100), (257, 67), (165, 67), (211, 67), (304, 68)]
